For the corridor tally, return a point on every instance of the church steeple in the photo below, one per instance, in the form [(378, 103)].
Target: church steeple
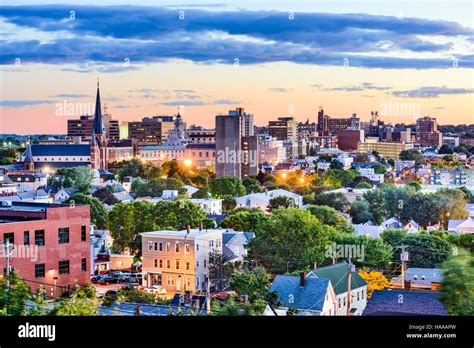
[(98, 127), (29, 163)]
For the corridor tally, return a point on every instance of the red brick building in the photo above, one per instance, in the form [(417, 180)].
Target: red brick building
[(51, 244)]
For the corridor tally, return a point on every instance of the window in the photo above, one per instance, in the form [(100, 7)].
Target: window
[(83, 234), (176, 247), (197, 247), (26, 238), (64, 267), (197, 263), (63, 235), (150, 246), (168, 247), (160, 246), (168, 263), (339, 303), (155, 262), (204, 262), (39, 270), (9, 237), (161, 263), (363, 294), (187, 266), (186, 248), (39, 237), (188, 282), (177, 264), (84, 265), (358, 296), (155, 246)]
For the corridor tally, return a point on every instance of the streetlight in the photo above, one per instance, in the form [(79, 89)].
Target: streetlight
[(284, 175), (187, 162)]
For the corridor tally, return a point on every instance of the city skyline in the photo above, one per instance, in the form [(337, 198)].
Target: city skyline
[(269, 59)]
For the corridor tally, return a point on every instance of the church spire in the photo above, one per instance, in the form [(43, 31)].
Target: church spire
[(98, 127)]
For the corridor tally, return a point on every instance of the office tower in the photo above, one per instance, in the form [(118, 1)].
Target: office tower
[(236, 150), (427, 133), (151, 130), (285, 128), (82, 127)]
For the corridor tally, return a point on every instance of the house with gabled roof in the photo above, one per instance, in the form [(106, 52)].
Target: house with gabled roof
[(338, 275), (307, 295), (391, 302)]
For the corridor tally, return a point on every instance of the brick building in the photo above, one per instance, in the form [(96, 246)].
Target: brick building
[(51, 244)]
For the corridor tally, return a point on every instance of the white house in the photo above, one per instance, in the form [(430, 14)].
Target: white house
[(261, 200), (169, 194), (338, 275), (209, 205), (64, 194)]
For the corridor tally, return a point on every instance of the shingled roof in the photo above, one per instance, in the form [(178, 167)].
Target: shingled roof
[(337, 274), (401, 302)]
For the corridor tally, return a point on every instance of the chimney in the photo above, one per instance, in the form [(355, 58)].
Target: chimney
[(407, 285), (188, 228), (302, 279)]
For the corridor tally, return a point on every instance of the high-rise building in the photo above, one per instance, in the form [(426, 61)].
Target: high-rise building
[(427, 133), (236, 150), (82, 127), (151, 130), (285, 128), (387, 149), (328, 125)]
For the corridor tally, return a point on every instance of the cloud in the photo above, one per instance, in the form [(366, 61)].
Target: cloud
[(23, 103), (111, 34), (279, 89), (71, 95), (184, 103), (431, 92), (226, 102), (356, 88)]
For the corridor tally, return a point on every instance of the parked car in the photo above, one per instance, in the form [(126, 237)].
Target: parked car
[(99, 293), (156, 289), (103, 280), (94, 279), (131, 286)]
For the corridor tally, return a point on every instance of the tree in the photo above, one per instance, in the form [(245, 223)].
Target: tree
[(13, 300), (376, 281), (105, 196), (360, 211), (379, 169), (248, 220), (228, 203), (393, 237), (468, 196), (376, 201), (291, 240), (81, 303), (411, 155), (445, 150), (227, 185), (457, 288), (201, 193), (220, 270), (79, 178), (187, 213), (253, 283), (375, 252), (330, 216), (363, 185), (427, 251), (336, 200), (335, 164), (251, 186), (280, 201), (97, 209)]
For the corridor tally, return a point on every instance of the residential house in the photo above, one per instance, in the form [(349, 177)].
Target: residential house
[(338, 275), (64, 194), (234, 245), (262, 200), (209, 205), (414, 303), (179, 260), (307, 295), (420, 279), (367, 230)]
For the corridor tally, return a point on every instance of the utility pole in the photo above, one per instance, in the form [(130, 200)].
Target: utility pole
[(404, 259), (208, 297), (349, 288)]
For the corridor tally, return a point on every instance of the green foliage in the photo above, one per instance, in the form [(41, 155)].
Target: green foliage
[(79, 178), (336, 200), (457, 289), (137, 169), (330, 216), (97, 209), (155, 187), (376, 253), (13, 300), (228, 203), (411, 155), (376, 201), (248, 220), (280, 201), (81, 303), (427, 251), (253, 283), (227, 186), (201, 193), (251, 185), (292, 238), (360, 211)]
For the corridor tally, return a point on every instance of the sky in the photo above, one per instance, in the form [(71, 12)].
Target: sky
[(404, 59)]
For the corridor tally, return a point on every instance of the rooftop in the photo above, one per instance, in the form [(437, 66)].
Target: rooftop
[(195, 232)]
